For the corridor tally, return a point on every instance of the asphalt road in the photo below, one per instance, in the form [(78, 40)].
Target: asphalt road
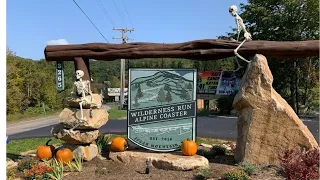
[(213, 126)]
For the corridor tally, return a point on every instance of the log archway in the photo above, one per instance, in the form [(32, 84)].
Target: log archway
[(208, 49)]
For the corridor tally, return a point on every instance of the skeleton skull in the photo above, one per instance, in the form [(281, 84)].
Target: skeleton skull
[(79, 74), (233, 10)]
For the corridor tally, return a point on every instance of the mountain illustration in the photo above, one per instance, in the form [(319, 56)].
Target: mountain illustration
[(163, 87), (160, 76)]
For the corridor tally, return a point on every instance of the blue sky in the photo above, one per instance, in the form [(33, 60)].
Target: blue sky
[(32, 24)]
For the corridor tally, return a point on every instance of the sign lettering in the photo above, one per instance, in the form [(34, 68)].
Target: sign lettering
[(161, 108), (59, 76)]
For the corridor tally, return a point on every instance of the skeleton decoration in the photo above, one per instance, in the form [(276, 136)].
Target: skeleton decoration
[(83, 89), (233, 11)]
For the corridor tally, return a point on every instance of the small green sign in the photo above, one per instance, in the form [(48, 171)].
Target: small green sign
[(59, 76), (161, 107)]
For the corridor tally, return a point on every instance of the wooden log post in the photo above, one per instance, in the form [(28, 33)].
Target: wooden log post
[(82, 64), (208, 49)]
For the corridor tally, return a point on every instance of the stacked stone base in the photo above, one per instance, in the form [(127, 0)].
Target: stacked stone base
[(80, 133)]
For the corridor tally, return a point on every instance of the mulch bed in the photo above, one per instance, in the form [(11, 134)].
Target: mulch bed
[(101, 168)]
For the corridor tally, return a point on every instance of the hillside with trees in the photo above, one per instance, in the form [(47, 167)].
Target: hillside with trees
[(31, 84)]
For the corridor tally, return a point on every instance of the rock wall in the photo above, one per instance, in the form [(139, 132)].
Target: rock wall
[(80, 134), (267, 125)]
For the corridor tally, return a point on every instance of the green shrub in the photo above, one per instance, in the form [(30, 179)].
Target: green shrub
[(203, 112), (205, 153), (102, 142), (203, 173), (34, 111), (218, 150), (26, 164), (224, 103), (314, 105), (236, 174), (248, 168)]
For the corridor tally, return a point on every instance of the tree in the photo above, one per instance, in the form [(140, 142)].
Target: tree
[(185, 95), (161, 96), (136, 102), (168, 97), (290, 20), (149, 83), (167, 88), (189, 85), (139, 92)]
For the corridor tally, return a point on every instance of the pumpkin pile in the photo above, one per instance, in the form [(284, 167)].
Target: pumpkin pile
[(46, 152), (119, 144), (189, 147), (64, 155)]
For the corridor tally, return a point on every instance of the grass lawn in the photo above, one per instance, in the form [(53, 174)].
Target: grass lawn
[(15, 147), (115, 113)]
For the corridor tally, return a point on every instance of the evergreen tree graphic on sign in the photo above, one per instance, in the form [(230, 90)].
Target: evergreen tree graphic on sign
[(167, 88), (168, 97), (185, 95), (136, 103), (139, 92), (161, 96), (189, 86)]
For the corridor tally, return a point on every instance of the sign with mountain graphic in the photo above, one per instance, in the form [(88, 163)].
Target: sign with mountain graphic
[(161, 107)]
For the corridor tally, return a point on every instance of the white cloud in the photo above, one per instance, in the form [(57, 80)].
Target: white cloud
[(58, 42)]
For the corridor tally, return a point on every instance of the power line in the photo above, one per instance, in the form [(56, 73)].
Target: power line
[(90, 21), (127, 12), (119, 12), (105, 12)]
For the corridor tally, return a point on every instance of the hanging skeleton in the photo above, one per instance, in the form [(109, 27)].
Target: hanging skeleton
[(241, 27), (83, 89)]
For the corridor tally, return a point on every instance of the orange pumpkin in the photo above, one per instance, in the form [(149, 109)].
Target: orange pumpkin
[(189, 147), (119, 144), (64, 155), (45, 151)]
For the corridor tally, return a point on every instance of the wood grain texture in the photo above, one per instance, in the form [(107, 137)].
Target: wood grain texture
[(207, 49)]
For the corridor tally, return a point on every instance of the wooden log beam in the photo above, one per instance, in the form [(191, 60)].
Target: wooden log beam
[(208, 49), (82, 64)]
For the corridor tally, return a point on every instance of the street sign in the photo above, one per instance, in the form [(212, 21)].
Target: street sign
[(161, 108), (59, 76)]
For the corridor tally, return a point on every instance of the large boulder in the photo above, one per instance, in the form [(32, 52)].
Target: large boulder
[(74, 136), (71, 117), (73, 101), (267, 125), (87, 152), (168, 161)]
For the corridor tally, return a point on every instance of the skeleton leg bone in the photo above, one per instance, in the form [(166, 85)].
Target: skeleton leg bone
[(81, 109), (238, 55), (239, 66)]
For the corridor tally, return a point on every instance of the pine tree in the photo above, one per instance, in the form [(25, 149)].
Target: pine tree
[(139, 92), (189, 86), (136, 103), (167, 88), (149, 83), (161, 96), (168, 97), (185, 95)]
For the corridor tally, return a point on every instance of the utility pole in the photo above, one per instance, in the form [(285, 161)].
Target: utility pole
[(124, 39)]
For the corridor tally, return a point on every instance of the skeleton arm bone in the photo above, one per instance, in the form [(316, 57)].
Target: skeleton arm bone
[(74, 88), (90, 92)]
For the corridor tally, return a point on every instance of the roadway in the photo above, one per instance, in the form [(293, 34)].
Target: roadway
[(223, 127)]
